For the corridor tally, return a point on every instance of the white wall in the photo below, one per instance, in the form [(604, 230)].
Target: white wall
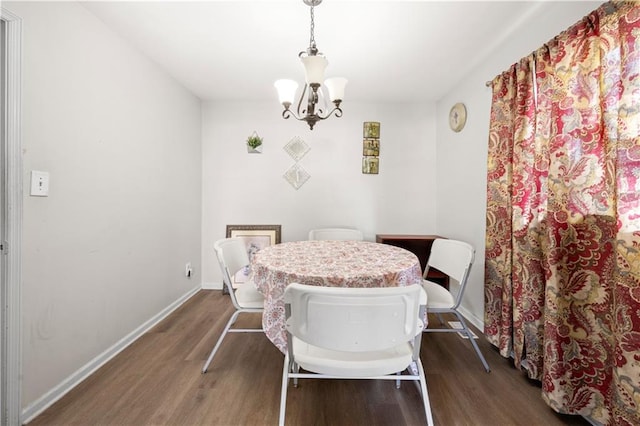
[(242, 188), (462, 157), (106, 251)]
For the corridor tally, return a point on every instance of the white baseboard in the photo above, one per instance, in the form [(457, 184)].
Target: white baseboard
[(44, 402), (477, 322), (212, 286)]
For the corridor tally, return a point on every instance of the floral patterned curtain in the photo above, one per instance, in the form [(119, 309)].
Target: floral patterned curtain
[(562, 269)]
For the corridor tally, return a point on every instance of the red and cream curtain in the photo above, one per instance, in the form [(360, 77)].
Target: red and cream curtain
[(562, 275)]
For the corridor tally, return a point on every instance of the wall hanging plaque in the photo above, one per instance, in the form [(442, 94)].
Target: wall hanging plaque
[(296, 176), (296, 148), (457, 117), (371, 147)]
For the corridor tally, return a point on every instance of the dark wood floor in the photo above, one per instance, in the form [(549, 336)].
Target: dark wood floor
[(157, 381)]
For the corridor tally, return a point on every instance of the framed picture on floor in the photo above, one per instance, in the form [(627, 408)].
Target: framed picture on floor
[(255, 238)]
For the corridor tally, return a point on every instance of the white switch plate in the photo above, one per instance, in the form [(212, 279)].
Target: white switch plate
[(39, 184)]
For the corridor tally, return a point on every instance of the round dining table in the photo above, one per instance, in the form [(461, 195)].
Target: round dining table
[(326, 263)]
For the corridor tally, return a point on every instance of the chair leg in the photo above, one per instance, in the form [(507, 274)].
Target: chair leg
[(296, 369), (220, 339), (425, 394), (413, 370), (283, 391), (398, 381), (473, 342)]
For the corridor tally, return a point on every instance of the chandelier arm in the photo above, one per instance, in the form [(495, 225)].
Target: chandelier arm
[(300, 117), (312, 119), (302, 96), (288, 113), (337, 111)]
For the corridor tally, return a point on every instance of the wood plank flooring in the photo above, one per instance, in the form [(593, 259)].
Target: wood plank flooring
[(157, 381)]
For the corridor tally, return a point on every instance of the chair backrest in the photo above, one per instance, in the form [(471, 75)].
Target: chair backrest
[(232, 256), (336, 234), (354, 319), (453, 258)]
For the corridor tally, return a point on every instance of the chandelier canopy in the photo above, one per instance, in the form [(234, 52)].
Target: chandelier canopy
[(314, 64)]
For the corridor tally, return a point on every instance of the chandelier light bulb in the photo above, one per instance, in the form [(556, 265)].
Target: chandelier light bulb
[(286, 90), (314, 67), (336, 87)]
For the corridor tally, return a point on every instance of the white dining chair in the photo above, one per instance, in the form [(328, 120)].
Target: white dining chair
[(232, 256), (336, 234), (453, 258), (354, 333)]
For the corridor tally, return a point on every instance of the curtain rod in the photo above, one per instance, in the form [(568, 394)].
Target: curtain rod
[(608, 7)]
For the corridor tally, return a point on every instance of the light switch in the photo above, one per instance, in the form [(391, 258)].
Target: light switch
[(39, 184)]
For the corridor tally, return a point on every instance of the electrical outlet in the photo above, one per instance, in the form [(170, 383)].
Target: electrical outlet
[(188, 272)]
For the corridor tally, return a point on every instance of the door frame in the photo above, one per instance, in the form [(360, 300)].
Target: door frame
[(11, 345)]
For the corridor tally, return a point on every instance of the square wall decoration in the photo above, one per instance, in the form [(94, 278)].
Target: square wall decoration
[(370, 165), (371, 147), (372, 129), (296, 176), (297, 148)]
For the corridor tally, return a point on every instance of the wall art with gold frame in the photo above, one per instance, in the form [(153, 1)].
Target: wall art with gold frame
[(255, 237), (371, 147)]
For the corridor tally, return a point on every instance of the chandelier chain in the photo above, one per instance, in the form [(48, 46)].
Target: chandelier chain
[(312, 40)]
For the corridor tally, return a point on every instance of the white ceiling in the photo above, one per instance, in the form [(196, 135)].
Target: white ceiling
[(391, 51)]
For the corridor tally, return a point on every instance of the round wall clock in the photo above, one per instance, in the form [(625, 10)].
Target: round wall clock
[(457, 117)]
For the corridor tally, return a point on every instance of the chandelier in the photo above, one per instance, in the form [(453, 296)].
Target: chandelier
[(314, 65)]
